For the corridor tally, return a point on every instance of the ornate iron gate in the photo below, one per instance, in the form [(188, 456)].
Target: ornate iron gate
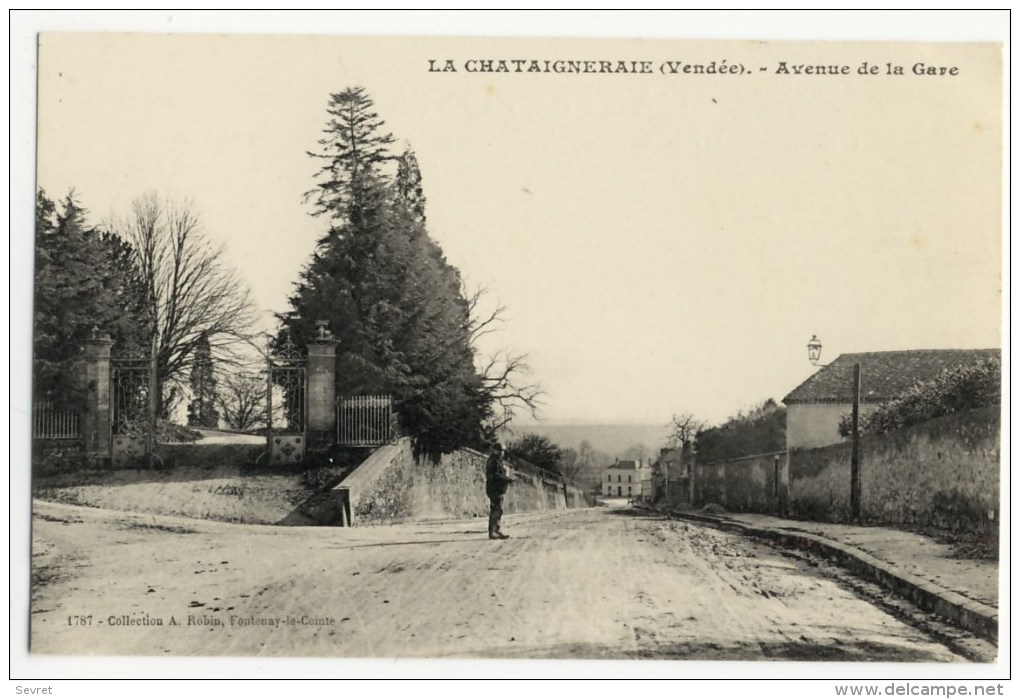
[(132, 408), (287, 414), (364, 421)]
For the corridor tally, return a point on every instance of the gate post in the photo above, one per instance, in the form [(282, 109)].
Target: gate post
[(95, 420), (322, 388)]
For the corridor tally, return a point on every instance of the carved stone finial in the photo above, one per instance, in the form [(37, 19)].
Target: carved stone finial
[(323, 329), (97, 336)]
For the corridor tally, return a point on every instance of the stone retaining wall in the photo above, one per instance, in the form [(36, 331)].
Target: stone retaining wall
[(404, 488), (942, 473)]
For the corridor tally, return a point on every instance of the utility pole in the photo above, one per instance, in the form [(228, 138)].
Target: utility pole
[(855, 448), (814, 348), (692, 464)]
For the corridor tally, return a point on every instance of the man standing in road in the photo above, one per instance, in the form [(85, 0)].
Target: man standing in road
[(496, 483)]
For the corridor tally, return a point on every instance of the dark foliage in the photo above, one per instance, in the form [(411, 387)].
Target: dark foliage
[(537, 450), (966, 387), (84, 279), (386, 289), (757, 431), (202, 410), (353, 146), (408, 185)]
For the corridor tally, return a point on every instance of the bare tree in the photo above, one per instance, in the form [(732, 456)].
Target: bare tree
[(503, 380), (190, 291), (242, 400), (504, 373), (482, 322), (683, 428)]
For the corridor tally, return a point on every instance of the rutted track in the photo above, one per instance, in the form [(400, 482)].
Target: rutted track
[(581, 583)]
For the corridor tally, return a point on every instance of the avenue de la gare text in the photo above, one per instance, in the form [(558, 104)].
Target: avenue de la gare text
[(715, 67)]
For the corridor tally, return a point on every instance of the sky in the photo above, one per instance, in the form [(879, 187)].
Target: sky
[(662, 243)]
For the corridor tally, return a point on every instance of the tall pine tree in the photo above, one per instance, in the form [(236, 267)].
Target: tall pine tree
[(385, 287), (352, 148), (202, 411)]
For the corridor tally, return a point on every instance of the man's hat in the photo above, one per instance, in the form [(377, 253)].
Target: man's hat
[(498, 446)]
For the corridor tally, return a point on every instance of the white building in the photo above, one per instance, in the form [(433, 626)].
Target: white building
[(627, 479)]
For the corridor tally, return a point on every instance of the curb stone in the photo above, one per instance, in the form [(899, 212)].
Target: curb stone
[(980, 619)]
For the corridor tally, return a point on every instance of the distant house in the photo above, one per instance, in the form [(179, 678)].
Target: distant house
[(626, 479), (675, 465), (814, 408)]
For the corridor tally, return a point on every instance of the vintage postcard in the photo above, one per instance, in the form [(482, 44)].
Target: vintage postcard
[(363, 347)]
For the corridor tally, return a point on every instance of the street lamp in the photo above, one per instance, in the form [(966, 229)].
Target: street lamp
[(814, 348)]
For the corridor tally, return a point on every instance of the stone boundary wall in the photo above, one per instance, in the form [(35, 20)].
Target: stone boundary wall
[(942, 473), (409, 489), (757, 483)]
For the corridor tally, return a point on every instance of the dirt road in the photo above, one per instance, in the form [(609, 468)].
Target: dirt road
[(596, 583)]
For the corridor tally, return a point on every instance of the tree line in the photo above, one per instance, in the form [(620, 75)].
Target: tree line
[(151, 281), (406, 323)]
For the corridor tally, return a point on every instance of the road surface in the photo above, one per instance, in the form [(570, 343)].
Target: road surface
[(595, 583)]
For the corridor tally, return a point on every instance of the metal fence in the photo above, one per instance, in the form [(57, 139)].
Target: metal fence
[(530, 468), (364, 421), (49, 422)]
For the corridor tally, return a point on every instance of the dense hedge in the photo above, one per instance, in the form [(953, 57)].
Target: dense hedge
[(760, 430), (965, 387)]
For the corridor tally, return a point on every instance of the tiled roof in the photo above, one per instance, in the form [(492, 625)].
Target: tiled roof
[(884, 375), (626, 465)]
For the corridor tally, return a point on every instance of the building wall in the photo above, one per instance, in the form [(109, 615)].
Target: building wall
[(944, 472), (809, 426), (756, 483), (675, 492), (617, 483)]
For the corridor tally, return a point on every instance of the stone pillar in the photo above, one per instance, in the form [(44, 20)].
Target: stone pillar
[(322, 388), (95, 420)]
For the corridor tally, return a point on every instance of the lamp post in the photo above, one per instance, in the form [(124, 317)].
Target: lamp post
[(814, 348)]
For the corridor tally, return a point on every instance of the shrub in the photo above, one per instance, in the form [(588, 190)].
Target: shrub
[(325, 469), (169, 433), (965, 387), (54, 460), (323, 477)]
